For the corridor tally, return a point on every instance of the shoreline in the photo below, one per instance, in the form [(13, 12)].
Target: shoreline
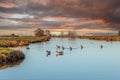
[(100, 38)]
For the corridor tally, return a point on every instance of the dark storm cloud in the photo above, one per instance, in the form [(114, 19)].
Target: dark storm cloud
[(108, 10)]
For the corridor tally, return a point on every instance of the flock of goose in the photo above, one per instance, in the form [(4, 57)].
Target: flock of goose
[(59, 53)]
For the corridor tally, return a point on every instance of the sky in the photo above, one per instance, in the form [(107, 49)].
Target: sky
[(24, 16)]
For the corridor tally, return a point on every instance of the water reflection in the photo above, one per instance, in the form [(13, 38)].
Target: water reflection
[(14, 64)]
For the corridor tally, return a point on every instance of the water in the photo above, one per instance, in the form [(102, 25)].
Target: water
[(90, 63)]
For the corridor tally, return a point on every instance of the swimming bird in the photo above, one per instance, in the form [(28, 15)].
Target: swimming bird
[(101, 46), (81, 46), (57, 46), (27, 47), (48, 53), (58, 53), (70, 48), (63, 48)]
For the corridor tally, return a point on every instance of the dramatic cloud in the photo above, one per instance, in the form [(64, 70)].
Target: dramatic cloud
[(7, 5), (60, 14)]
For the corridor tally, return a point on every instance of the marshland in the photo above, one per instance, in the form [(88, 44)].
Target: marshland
[(49, 57)]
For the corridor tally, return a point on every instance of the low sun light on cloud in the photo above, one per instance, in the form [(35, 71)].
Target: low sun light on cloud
[(7, 5), (20, 16)]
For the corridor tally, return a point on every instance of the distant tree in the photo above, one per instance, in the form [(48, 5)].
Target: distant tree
[(119, 33), (71, 33), (13, 35), (47, 32), (39, 32), (62, 33)]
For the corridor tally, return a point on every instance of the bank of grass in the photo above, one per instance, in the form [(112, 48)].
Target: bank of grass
[(10, 56), (21, 41), (106, 38)]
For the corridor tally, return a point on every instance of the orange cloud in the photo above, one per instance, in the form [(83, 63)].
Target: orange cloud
[(7, 5), (100, 21), (35, 20), (59, 17), (62, 18)]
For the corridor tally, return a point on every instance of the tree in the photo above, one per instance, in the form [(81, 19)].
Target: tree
[(39, 32), (62, 33), (47, 32), (71, 33), (13, 35)]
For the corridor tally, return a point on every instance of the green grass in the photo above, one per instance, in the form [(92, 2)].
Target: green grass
[(8, 51), (5, 50)]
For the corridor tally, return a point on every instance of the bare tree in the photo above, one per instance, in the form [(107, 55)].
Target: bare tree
[(39, 32), (62, 33), (119, 33), (13, 35), (47, 32), (71, 33)]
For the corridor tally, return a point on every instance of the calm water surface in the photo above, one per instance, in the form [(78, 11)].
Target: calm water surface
[(90, 63)]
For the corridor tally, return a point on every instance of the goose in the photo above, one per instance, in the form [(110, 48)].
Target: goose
[(57, 46), (101, 46), (63, 48), (59, 53), (81, 46), (27, 47), (48, 53), (70, 48)]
